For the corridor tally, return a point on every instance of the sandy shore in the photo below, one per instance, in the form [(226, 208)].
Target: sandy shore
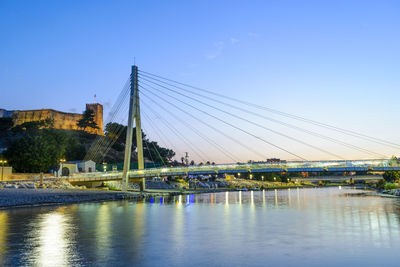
[(33, 197)]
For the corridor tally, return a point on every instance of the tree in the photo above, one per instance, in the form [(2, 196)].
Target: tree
[(37, 152), (391, 176), (192, 162), (6, 124), (74, 150), (116, 131), (33, 126), (87, 120)]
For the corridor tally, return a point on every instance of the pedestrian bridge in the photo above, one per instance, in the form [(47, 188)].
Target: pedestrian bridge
[(378, 165)]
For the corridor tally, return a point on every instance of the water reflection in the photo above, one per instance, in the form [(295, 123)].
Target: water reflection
[(48, 245), (3, 235), (289, 227)]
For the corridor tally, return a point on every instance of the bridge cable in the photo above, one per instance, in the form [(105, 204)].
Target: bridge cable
[(251, 122), (277, 121), (99, 145), (181, 137), (204, 137), (100, 141), (255, 136), (158, 153), (203, 122), (316, 123), (157, 130), (227, 123), (111, 137)]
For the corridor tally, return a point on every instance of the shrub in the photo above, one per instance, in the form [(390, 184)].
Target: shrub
[(389, 186)]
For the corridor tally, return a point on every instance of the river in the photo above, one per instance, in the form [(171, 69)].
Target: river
[(297, 227)]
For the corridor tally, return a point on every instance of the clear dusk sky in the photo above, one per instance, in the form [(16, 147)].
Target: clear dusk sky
[(336, 62)]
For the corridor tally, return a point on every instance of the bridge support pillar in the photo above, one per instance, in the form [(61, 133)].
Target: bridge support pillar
[(134, 114)]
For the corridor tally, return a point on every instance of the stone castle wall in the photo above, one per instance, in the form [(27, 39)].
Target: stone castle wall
[(62, 120)]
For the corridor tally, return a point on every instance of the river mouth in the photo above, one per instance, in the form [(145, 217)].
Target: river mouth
[(296, 227)]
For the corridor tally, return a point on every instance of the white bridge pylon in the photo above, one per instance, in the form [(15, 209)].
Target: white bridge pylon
[(133, 116)]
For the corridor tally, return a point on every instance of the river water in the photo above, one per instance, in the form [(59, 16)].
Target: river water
[(297, 227)]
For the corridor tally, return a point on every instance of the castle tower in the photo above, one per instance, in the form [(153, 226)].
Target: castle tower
[(98, 116)]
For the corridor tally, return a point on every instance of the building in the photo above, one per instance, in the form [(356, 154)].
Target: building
[(70, 167), (62, 120), (85, 165)]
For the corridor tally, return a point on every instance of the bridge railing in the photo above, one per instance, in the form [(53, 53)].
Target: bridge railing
[(344, 165), (280, 166)]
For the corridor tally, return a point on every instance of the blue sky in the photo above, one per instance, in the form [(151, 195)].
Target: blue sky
[(333, 61)]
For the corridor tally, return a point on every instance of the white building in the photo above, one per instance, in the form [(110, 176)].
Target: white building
[(70, 167), (85, 165)]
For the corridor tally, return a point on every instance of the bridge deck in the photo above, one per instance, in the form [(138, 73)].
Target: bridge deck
[(295, 166)]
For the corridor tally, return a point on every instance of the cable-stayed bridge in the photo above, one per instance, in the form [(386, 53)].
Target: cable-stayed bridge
[(187, 112)]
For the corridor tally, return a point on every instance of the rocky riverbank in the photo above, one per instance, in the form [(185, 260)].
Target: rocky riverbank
[(31, 197)]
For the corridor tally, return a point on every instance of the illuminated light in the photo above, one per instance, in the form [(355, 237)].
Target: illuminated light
[(161, 200), (263, 196), (151, 200), (164, 170), (52, 248), (240, 197), (226, 198), (3, 235)]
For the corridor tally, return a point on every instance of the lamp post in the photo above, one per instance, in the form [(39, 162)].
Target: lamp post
[(2, 167), (105, 166)]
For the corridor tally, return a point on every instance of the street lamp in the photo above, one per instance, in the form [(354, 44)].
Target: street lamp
[(104, 166), (2, 167), (274, 179), (239, 174), (262, 177), (251, 176)]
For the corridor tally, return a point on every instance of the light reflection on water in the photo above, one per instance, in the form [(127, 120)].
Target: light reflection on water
[(280, 227)]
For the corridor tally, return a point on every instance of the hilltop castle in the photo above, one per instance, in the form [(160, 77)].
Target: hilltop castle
[(62, 120)]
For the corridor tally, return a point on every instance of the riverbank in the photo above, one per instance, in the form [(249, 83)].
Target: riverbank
[(11, 198), (23, 197), (60, 192)]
